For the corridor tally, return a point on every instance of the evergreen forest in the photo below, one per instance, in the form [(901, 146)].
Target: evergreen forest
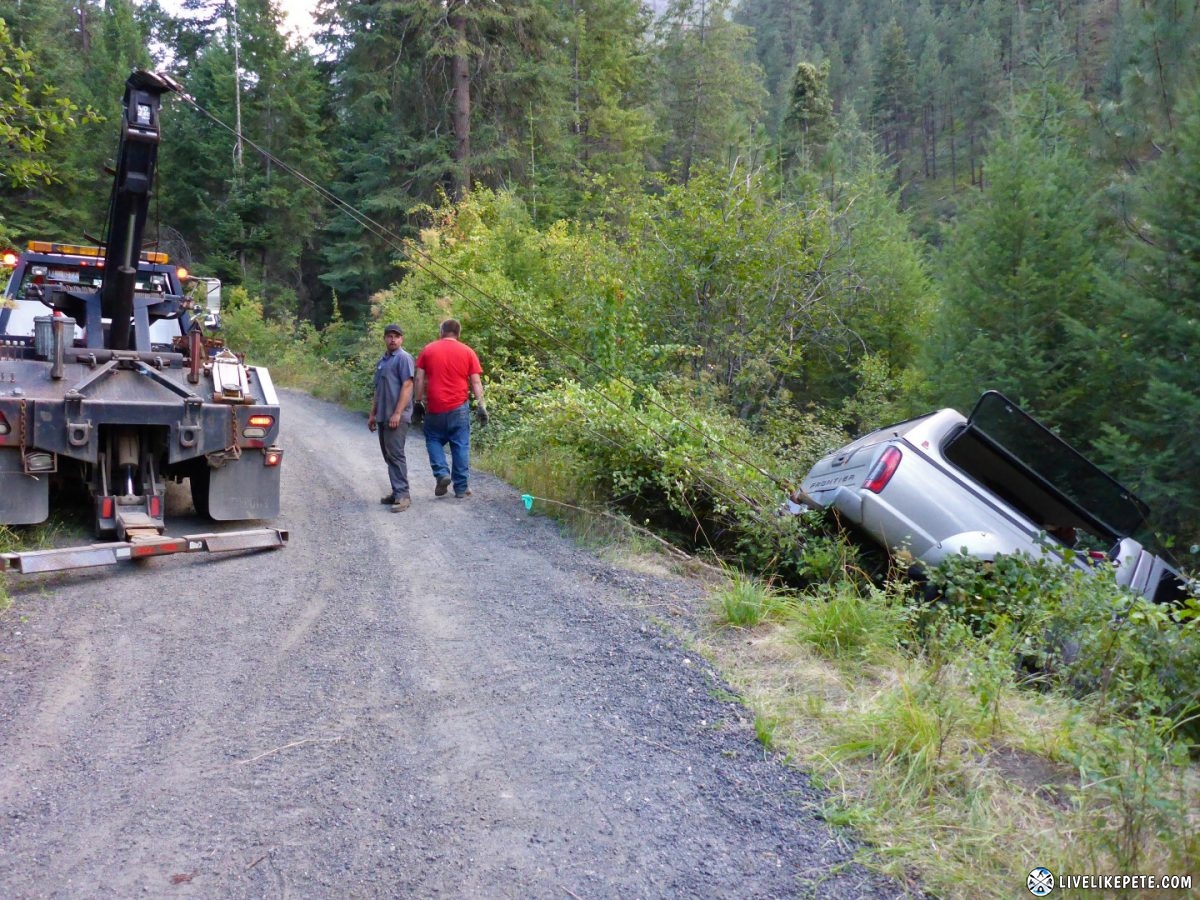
[(771, 222), (697, 245)]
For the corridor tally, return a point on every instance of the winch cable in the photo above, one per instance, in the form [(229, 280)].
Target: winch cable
[(451, 281)]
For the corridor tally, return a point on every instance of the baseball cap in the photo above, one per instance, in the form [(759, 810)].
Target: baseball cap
[(394, 327)]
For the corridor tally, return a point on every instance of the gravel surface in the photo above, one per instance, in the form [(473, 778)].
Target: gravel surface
[(452, 701)]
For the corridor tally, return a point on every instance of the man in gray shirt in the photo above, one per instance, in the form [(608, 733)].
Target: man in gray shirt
[(391, 410)]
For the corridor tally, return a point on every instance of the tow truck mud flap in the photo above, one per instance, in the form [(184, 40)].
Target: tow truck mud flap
[(244, 489), (24, 499)]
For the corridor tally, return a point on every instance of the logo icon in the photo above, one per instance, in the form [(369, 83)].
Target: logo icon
[(1040, 882)]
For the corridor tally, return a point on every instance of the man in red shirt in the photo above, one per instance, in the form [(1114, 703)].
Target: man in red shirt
[(448, 371)]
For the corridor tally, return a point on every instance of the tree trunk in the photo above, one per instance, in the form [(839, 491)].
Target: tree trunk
[(461, 74)]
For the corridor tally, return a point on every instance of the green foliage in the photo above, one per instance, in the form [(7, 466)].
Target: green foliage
[(777, 298), (842, 624), (239, 215), (744, 601), (893, 92), (709, 90), (1132, 793), (296, 354), (1079, 633), (1018, 268), (809, 125), (31, 115), (1152, 330)]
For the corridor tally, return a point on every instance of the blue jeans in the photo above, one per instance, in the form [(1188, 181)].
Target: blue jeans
[(453, 428)]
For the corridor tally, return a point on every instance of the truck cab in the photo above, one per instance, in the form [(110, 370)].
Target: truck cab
[(51, 277)]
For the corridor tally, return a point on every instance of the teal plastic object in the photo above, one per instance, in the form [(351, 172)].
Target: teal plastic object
[(527, 499)]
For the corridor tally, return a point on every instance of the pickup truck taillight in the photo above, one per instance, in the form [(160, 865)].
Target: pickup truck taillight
[(883, 470)]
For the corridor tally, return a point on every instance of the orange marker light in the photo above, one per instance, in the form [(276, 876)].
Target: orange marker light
[(10, 259)]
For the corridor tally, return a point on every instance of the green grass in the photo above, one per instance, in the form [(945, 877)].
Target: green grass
[(841, 624), (745, 602)]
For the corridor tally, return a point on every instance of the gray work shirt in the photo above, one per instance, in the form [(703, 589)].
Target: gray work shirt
[(392, 370)]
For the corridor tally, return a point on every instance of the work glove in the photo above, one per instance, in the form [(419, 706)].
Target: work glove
[(418, 413), (481, 415)]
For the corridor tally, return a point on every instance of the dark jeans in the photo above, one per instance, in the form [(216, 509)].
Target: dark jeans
[(391, 442), (453, 428)]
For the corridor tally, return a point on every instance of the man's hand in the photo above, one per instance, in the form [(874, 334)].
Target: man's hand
[(394, 421), (371, 421), (481, 415), (418, 412)]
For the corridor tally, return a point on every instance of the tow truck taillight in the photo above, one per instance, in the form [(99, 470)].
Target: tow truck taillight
[(883, 470), (9, 259), (5, 428), (272, 456), (258, 426)]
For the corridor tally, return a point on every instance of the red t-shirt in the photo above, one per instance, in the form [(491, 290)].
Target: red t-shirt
[(448, 365)]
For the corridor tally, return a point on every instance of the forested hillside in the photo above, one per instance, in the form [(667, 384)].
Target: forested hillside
[(810, 215)]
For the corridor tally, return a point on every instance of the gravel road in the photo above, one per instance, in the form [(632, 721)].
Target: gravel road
[(451, 701)]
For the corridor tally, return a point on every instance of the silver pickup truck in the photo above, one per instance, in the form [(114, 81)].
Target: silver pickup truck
[(996, 482)]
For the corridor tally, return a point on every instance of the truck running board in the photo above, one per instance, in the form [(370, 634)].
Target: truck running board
[(32, 561)]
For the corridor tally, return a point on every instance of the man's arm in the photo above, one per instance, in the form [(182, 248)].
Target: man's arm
[(371, 418), (481, 413), (419, 386), (406, 390)]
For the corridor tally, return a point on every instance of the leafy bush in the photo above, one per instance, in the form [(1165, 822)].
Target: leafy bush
[(1081, 633)]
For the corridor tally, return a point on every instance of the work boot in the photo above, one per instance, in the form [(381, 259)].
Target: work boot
[(459, 495), (443, 485), (401, 504), (388, 500)]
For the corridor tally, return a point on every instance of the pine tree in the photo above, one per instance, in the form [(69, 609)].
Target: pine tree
[(612, 130), (1019, 266), (31, 116), (239, 213), (431, 100), (894, 97), (1157, 339), (808, 126), (783, 38), (710, 92)]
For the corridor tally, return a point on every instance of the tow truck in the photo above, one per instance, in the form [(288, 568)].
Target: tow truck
[(116, 385)]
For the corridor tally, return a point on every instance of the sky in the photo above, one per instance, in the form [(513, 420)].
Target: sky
[(299, 15)]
